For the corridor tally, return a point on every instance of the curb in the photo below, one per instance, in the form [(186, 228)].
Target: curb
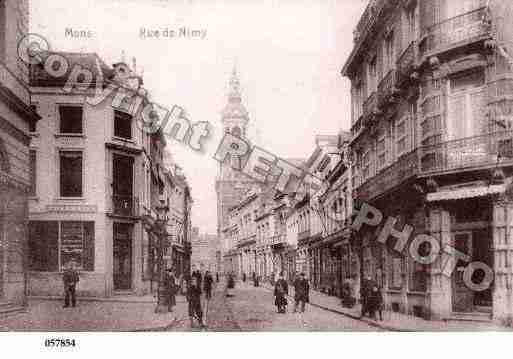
[(352, 316), (100, 299)]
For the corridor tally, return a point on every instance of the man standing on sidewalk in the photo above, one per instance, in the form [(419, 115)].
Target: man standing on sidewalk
[(171, 289), (194, 299), (70, 279), (301, 292), (207, 285)]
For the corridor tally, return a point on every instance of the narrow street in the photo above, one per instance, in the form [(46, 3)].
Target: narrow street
[(252, 309)]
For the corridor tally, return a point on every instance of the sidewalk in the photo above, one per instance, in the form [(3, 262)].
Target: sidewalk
[(123, 313), (391, 320)]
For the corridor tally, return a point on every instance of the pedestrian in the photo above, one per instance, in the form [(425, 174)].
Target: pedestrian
[(207, 285), (375, 302), (197, 274), (301, 292), (231, 281), (171, 289), (281, 289), (194, 300), (365, 290), (217, 277), (244, 277), (70, 279)]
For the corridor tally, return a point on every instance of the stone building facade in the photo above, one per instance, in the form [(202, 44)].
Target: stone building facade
[(17, 118), (99, 182), (431, 88)]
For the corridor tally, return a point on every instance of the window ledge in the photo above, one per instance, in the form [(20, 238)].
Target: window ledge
[(33, 198), (121, 139), (70, 135), (70, 198)]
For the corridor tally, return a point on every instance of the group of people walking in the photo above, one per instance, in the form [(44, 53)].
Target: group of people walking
[(301, 293)]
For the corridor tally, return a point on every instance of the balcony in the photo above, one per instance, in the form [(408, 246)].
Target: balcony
[(370, 106), (401, 170), (471, 153), (387, 89), (303, 236), (459, 30), (126, 206), (406, 64), (466, 153)]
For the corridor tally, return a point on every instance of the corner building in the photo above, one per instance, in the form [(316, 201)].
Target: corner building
[(431, 86)]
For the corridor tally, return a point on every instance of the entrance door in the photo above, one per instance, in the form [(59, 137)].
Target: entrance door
[(122, 251), (462, 296)]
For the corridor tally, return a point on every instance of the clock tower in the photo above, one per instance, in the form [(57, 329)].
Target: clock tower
[(231, 184)]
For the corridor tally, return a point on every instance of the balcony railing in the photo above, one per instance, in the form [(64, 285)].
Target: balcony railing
[(370, 105), (464, 153), (406, 63), (405, 167), (457, 29), (456, 155), (387, 87), (125, 206)]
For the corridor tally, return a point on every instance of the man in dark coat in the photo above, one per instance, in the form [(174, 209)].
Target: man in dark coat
[(194, 300), (70, 279), (375, 302), (281, 289), (301, 292), (231, 281), (197, 275), (207, 285), (171, 289), (365, 290), (217, 277)]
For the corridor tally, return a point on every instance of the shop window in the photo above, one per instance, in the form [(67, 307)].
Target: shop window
[(43, 245), (71, 119), (122, 124), (71, 174), (51, 247)]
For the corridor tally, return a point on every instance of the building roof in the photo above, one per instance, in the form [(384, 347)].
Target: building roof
[(91, 61)]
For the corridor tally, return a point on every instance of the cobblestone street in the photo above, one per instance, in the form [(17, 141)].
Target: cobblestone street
[(252, 309)]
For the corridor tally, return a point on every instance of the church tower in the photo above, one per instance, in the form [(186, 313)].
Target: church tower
[(231, 185)]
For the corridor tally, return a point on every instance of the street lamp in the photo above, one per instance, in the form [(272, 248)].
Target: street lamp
[(160, 224)]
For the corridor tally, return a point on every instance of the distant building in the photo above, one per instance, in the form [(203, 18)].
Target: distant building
[(204, 250)]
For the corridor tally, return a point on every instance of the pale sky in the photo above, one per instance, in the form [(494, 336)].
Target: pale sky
[(288, 53)]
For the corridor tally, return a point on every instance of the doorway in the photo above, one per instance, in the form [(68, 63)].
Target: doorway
[(462, 296), (122, 256)]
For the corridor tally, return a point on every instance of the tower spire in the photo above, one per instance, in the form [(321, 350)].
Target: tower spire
[(234, 92)]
